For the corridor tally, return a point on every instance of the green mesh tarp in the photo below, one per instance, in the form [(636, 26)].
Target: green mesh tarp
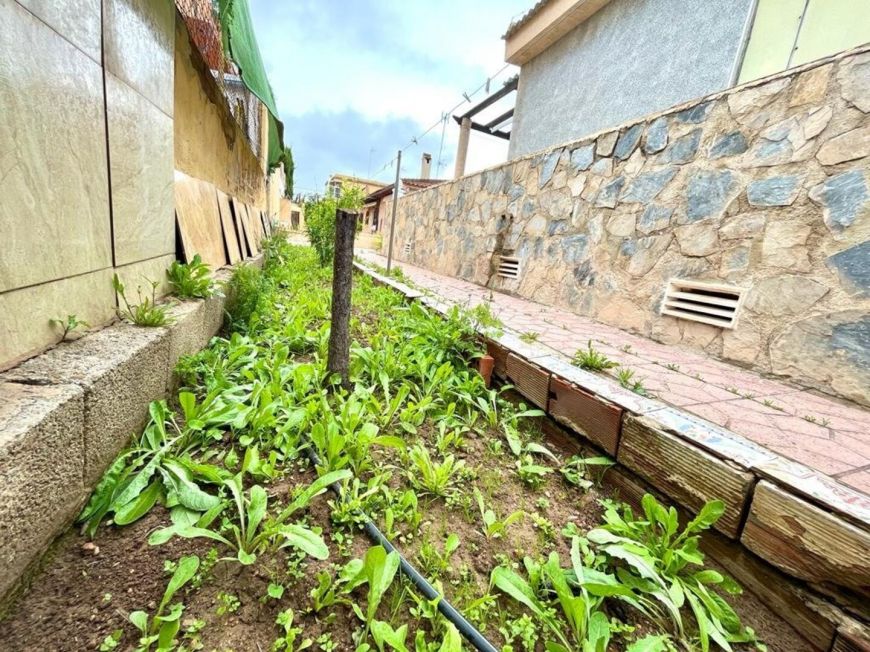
[(237, 32)]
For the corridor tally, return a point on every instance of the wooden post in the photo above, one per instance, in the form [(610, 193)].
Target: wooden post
[(338, 361)]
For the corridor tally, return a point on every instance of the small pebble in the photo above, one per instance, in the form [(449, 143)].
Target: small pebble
[(91, 547)]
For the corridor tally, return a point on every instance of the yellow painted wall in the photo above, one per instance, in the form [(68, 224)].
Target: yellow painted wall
[(209, 144), (787, 33)]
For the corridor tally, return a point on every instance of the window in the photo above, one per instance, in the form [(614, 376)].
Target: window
[(787, 33)]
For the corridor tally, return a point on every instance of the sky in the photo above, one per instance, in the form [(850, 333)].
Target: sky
[(355, 80)]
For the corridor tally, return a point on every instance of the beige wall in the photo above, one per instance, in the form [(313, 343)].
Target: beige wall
[(65, 225), (209, 144), (87, 156), (765, 187)]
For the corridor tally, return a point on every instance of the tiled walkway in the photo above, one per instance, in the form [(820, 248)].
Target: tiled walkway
[(828, 435)]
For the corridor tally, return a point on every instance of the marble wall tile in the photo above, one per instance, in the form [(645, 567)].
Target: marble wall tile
[(54, 215), (140, 158), (138, 276), (26, 312), (139, 41), (78, 22)]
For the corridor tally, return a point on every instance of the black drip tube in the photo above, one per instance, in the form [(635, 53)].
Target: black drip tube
[(468, 631)]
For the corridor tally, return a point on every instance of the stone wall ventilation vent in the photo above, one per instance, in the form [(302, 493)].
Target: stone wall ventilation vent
[(508, 267), (407, 249), (708, 303)]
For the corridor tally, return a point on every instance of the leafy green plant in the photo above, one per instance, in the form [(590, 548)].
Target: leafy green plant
[(626, 378), (287, 641), (378, 570), (69, 325), (435, 562), (190, 280), (530, 472), (430, 477), (252, 533), (243, 291), (592, 359), (162, 628), (577, 470), (320, 219), (145, 313), (530, 337), (493, 527), (661, 565)]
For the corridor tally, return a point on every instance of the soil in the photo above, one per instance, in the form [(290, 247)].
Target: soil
[(83, 595), (86, 590)]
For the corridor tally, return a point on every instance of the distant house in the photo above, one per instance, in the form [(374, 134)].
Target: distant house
[(339, 181), (378, 203), (587, 65)]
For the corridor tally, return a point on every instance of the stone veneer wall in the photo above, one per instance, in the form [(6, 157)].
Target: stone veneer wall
[(764, 187)]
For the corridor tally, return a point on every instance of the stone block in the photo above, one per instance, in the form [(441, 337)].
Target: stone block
[(529, 379), (844, 197), (806, 541), (121, 370), (683, 149), (656, 137), (853, 266), (849, 146), (593, 417), (41, 464), (684, 472), (773, 191)]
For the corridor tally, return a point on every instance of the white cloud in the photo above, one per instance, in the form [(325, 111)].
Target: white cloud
[(388, 61)]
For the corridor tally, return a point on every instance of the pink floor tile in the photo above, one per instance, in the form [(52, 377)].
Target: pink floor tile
[(823, 433)]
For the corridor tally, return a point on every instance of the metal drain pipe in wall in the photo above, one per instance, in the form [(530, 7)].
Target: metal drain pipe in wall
[(468, 631)]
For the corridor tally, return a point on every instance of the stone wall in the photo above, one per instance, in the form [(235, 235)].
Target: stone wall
[(763, 187)]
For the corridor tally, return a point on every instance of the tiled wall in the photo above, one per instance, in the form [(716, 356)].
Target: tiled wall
[(86, 159)]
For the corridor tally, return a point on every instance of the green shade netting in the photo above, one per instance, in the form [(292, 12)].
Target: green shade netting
[(237, 32)]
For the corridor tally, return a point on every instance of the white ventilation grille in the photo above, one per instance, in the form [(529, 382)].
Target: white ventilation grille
[(407, 248), (708, 303), (508, 267)]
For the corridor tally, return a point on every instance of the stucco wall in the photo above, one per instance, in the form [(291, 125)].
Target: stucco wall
[(765, 187), (209, 143), (632, 58)]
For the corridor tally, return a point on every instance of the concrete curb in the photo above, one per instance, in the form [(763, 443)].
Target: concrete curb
[(691, 461), (67, 413)]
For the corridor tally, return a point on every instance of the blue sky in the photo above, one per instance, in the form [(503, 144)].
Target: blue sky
[(357, 79)]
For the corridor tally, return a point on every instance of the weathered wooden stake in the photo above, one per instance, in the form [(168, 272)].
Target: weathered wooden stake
[(338, 361)]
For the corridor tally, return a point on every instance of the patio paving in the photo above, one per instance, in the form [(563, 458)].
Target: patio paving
[(824, 433)]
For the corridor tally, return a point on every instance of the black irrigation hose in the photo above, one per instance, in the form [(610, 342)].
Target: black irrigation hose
[(468, 631)]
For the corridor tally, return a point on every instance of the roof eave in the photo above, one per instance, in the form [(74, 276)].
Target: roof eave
[(545, 24)]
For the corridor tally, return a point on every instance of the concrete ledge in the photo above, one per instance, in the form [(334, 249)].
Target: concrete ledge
[(121, 370), (41, 467), (66, 414)]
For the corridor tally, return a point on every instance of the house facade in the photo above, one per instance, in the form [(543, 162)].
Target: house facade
[(589, 65)]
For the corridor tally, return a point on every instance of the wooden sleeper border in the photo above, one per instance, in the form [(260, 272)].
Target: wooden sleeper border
[(783, 521)]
